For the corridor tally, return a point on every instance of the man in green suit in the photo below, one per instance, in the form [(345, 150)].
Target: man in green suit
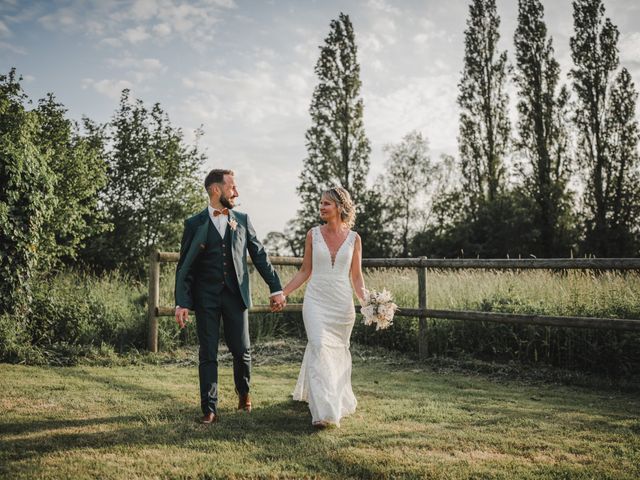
[(212, 279)]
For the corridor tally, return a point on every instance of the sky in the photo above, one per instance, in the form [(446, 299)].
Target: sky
[(243, 70)]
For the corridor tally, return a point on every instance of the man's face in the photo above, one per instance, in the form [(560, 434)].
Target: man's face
[(229, 192)]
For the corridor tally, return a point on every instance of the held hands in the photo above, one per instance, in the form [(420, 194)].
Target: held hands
[(277, 302), (182, 316)]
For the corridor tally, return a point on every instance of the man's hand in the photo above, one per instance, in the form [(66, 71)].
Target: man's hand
[(277, 302), (182, 316)]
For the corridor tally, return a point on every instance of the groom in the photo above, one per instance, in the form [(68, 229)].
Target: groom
[(212, 278)]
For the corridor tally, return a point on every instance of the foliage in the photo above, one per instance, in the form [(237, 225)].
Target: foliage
[(502, 227), (80, 172), (605, 120), (26, 198), (408, 175), (377, 240), (543, 137), (153, 185), (484, 118), (72, 314), (623, 176), (277, 244)]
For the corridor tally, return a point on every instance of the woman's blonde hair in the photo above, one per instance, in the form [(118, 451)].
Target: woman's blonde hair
[(345, 205)]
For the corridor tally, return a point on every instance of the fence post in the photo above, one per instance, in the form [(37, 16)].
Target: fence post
[(422, 320), (154, 299)]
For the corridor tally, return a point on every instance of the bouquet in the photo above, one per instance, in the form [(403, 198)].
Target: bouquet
[(378, 308)]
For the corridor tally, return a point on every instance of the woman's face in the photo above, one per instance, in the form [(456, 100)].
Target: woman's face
[(328, 209)]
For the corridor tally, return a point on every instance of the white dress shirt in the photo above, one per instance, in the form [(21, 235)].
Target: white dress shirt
[(220, 222)]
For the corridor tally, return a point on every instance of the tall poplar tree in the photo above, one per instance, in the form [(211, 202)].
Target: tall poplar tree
[(603, 121), (337, 147), (484, 120), (623, 178), (543, 138)]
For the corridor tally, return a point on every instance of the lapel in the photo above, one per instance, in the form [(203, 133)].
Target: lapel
[(232, 232)]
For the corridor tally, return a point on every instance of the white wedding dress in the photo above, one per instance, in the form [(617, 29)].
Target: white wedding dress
[(328, 312)]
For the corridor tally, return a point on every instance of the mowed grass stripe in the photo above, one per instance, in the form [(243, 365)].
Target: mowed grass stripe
[(139, 421)]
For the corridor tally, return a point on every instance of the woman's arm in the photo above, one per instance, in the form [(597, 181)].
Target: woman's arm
[(356, 270), (305, 270)]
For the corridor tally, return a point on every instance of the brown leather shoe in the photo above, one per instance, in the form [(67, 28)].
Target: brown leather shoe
[(209, 418), (244, 402)]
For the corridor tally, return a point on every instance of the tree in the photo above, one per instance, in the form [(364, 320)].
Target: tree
[(623, 178), (337, 147), (484, 120), (276, 244), (409, 172), (543, 138), (80, 172), (154, 184), (26, 197), (601, 127)]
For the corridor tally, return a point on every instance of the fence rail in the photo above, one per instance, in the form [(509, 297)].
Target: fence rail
[(421, 265)]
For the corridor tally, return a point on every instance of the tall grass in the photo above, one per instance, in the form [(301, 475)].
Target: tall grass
[(544, 292), (74, 313)]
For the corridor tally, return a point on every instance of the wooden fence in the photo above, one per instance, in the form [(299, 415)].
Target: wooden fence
[(421, 265)]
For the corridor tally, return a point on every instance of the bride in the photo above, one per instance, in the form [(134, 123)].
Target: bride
[(332, 257)]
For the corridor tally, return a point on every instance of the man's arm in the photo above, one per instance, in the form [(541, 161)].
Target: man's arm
[(184, 280), (261, 260)]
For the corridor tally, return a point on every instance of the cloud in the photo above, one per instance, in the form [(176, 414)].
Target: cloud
[(145, 64), (162, 29), (629, 46), (428, 32), (12, 48), (427, 104), (4, 30), (135, 35), (144, 9), (107, 87), (64, 18), (383, 6), (118, 23)]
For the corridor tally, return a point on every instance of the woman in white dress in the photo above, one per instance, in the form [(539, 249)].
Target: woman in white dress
[(332, 259)]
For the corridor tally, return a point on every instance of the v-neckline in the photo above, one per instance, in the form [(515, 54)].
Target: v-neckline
[(333, 258)]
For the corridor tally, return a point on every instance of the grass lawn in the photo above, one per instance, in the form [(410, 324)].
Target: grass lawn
[(138, 420)]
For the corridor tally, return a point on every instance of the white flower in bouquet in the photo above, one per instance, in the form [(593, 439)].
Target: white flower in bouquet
[(378, 308), (384, 297), (368, 312)]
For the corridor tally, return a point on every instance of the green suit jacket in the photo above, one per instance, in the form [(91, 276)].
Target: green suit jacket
[(243, 240)]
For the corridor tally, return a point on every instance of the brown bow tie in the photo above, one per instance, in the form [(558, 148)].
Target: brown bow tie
[(224, 211)]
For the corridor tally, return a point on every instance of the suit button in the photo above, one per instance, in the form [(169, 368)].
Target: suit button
[(223, 245)]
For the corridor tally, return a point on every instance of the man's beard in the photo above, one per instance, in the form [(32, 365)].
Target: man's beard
[(225, 202)]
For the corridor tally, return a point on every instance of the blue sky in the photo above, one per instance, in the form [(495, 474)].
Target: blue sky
[(244, 70)]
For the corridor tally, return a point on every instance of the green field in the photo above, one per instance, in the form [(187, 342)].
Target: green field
[(137, 419)]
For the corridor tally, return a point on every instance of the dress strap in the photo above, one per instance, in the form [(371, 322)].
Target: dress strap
[(351, 238), (315, 235)]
